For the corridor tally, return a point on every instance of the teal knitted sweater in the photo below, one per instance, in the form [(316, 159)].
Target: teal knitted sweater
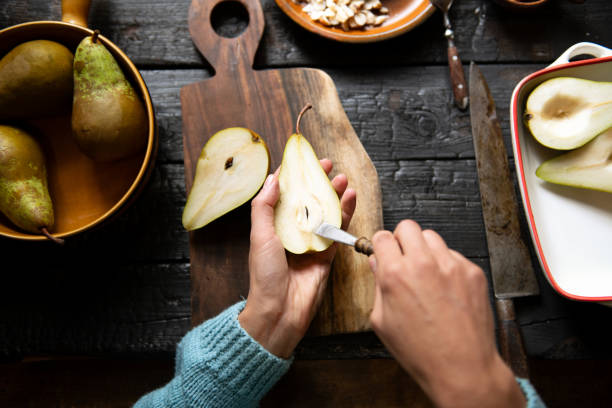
[(219, 365)]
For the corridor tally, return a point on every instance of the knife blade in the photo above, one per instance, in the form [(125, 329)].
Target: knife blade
[(511, 267), (362, 245)]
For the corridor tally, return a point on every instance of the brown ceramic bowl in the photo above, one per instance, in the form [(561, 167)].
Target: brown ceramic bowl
[(84, 193), (521, 5), (404, 15)]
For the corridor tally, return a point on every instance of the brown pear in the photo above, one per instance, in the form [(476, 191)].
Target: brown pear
[(108, 118), (24, 195), (35, 80)]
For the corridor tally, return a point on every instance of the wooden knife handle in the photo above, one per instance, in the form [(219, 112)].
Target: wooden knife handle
[(510, 341), (457, 78), (364, 246)]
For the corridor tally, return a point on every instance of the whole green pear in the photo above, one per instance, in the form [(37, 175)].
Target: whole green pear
[(108, 117), (35, 80), (24, 195)]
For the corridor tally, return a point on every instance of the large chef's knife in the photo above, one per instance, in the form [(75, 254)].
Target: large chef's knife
[(511, 266)]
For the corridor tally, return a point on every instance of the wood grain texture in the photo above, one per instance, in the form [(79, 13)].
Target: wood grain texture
[(154, 33), (268, 102), (111, 383), (398, 113), (146, 249)]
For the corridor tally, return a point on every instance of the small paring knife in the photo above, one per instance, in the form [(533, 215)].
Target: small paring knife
[(362, 245)]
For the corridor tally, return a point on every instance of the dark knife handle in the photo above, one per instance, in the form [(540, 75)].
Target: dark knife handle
[(457, 78), (364, 246), (511, 345)]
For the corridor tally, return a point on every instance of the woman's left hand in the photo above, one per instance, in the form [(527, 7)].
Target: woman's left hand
[(285, 289)]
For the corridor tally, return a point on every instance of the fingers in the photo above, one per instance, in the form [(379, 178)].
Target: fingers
[(348, 203), (339, 183), (410, 237), (348, 198), (327, 165), (262, 209), (386, 248), (438, 249)]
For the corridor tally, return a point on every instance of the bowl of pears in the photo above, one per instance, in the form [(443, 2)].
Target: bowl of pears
[(77, 128)]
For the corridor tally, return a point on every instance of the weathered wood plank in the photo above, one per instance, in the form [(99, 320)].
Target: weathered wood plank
[(440, 194), (103, 293), (97, 305), (86, 382), (398, 113), (154, 32)]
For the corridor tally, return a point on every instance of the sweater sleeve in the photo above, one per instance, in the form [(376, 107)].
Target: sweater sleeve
[(218, 364), (531, 395)]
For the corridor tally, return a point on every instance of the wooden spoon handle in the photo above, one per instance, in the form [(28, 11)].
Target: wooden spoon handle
[(226, 54), (457, 78), (364, 246)]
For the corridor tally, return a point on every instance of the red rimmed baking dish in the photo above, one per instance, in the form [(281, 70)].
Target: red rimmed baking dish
[(570, 227)]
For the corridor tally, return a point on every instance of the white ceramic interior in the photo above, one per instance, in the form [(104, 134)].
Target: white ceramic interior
[(570, 227)]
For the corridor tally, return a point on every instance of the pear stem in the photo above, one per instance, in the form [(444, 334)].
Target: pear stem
[(95, 35), (46, 233), (299, 118)]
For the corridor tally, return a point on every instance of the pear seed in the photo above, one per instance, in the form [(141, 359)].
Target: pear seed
[(229, 163)]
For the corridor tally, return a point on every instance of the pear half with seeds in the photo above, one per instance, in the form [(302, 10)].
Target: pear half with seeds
[(565, 113), (587, 167), (231, 169), (307, 197)]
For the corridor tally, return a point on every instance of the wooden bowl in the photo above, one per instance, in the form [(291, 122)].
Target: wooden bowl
[(404, 15), (84, 193)]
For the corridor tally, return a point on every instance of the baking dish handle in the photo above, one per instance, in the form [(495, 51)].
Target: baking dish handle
[(588, 48)]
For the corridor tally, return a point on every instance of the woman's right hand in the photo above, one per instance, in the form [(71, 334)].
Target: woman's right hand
[(433, 314)]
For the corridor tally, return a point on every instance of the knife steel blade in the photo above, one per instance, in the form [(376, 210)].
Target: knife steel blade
[(511, 266), (329, 231)]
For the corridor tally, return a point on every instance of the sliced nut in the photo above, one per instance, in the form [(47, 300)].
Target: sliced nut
[(360, 19), (348, 14), (370, 17), (380, 19)]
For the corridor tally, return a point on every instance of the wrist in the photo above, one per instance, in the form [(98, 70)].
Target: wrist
[(494, 387), (268, 328)]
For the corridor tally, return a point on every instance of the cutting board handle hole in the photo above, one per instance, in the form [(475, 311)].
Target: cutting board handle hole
[(229, 19)]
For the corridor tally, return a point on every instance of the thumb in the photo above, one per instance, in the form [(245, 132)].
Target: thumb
[(262, 210)]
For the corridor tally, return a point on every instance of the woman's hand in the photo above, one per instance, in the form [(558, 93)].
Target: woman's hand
[(285, 289), (432, 312)]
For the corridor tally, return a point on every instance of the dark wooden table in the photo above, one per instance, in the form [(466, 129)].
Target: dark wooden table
[(109, 306)]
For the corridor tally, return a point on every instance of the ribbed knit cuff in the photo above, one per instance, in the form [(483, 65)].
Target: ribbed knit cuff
[(531, 395), (224, 366)]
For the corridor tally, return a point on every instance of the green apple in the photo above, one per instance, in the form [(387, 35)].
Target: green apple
[(565, 113), (307, 197), (231, 169), (588, 167)]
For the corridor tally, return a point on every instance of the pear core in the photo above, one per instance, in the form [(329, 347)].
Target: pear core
[(307, 199), (565, 113), (232, 167)]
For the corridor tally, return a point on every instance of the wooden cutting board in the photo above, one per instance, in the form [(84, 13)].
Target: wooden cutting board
[(268, 103)]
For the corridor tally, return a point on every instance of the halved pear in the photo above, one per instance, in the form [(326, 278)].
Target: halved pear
[(587, 167), (565, 113), (231, 169), (307, 198)]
